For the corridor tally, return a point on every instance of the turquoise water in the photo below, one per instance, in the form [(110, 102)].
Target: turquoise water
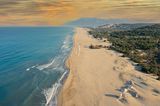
[(32, 64)]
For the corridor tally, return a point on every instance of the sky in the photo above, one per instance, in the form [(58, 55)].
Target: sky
[(58, 12)]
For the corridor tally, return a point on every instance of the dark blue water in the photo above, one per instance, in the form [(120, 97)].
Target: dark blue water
[(32, 64)]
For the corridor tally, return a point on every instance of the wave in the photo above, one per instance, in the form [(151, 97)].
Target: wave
[(28, 69), (57, 61), (57, 64), (44, 66), (50, 93)]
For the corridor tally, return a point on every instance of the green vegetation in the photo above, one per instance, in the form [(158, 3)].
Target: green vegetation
[(142, 45)]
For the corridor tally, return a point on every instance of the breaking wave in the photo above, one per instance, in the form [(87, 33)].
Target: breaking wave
[(57, 64)]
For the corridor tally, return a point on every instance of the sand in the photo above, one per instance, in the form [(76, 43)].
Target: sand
[(101, 77)]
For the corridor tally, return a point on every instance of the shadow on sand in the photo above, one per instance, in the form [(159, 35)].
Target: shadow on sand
[(112, 95)]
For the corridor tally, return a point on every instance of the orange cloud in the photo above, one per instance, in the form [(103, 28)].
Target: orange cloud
[(57, 12)]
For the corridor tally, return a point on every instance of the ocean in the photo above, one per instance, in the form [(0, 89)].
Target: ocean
[(32, 64)]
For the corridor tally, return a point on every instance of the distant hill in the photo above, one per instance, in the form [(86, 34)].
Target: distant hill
[(95, 22)]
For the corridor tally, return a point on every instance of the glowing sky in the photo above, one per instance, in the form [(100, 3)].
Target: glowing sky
[(57, 12)]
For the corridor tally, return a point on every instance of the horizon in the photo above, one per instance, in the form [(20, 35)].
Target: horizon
[(79, 52), (81, 20)]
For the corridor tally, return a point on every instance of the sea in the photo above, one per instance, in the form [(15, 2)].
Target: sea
[(32, 64)]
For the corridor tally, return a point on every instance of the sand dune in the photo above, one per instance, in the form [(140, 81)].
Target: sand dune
[(101, 77)]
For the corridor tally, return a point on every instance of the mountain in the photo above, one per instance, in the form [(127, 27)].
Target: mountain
[(95, 22)]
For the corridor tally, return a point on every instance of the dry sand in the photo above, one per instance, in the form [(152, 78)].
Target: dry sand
[(101, 77)]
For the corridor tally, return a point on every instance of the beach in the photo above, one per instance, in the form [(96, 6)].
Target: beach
[(102, 77)]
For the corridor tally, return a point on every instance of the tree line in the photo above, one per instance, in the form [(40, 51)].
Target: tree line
[(142, 45)]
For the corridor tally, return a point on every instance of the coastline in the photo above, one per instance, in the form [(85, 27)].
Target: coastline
[(97, 77)]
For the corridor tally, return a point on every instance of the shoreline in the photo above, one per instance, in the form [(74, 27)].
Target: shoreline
[(54, 90), (67, 65), (98, 78)]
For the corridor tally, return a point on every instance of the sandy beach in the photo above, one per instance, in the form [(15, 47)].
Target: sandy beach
[(101, 77)]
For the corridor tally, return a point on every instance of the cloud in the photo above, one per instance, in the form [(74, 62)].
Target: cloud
[(56, 12)]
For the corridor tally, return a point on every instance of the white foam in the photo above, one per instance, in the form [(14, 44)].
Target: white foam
[(33, 66), (56, 64), (44, 66), (60, 80), (27, 69), (60, 58), (51, 93)]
